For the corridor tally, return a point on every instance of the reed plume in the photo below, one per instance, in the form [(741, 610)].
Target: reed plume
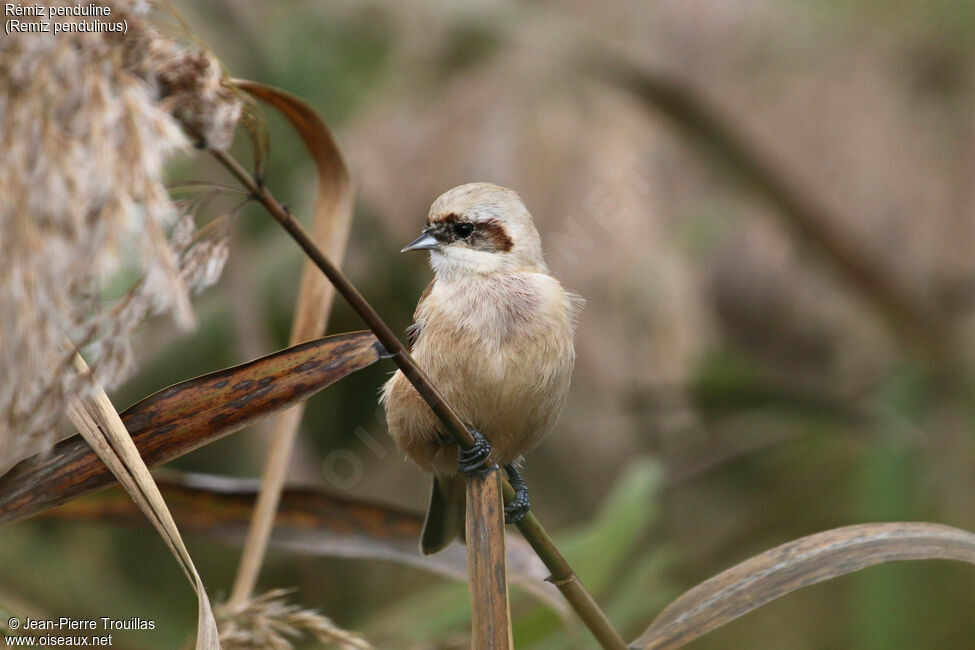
[(269, 621), (87, 123)]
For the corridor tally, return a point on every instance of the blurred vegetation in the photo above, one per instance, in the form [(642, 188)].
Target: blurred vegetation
[(731, 392)]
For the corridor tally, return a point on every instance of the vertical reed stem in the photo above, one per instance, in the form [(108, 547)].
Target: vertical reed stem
[(487, 572)]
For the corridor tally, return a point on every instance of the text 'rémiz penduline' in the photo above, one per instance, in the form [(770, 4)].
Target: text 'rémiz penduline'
[(33, 12)]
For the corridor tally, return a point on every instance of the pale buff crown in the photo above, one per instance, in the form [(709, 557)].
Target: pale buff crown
[(505, 239)]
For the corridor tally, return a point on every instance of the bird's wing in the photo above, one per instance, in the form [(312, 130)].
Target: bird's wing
[(413, 331)]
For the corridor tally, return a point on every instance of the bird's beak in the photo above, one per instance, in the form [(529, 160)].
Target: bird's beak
[(425, 242)]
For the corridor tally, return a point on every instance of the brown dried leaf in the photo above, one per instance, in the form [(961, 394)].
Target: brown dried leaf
[(797, 564), (333, 208), (188, 415), (309, 522)]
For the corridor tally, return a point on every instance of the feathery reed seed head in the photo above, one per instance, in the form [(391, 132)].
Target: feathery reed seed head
[(87, 122), (268, 621)]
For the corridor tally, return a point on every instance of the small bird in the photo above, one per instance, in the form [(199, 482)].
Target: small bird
[(494, 331)]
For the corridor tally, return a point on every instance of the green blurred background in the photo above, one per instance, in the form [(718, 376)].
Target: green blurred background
[(732, 392)]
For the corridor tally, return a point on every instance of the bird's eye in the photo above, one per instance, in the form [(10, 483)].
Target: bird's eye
[(463, 229)]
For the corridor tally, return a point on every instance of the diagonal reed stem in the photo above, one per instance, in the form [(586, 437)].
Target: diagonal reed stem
[(562, 575)]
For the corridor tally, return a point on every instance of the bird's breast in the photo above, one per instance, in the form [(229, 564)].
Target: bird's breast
[(501, 351)]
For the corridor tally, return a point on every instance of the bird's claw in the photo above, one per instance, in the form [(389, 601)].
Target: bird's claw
[(516, 509), (474, 460)]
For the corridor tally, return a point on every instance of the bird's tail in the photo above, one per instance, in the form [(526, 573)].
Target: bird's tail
[(446, 514)]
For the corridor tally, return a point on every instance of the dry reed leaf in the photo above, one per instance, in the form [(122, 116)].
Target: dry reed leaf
[(330, 232), (332, 216), (310, 522), (797, 564), (188, 415), (102, 428)]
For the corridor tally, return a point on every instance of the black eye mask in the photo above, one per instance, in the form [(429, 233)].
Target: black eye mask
[(489, 236)]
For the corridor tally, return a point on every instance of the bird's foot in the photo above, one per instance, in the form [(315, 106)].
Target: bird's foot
[(517, 508), (474, 460)]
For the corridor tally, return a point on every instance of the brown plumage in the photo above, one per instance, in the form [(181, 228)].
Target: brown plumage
[(494, 331)]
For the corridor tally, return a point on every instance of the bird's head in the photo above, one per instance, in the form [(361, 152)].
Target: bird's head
[(480, 228)]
